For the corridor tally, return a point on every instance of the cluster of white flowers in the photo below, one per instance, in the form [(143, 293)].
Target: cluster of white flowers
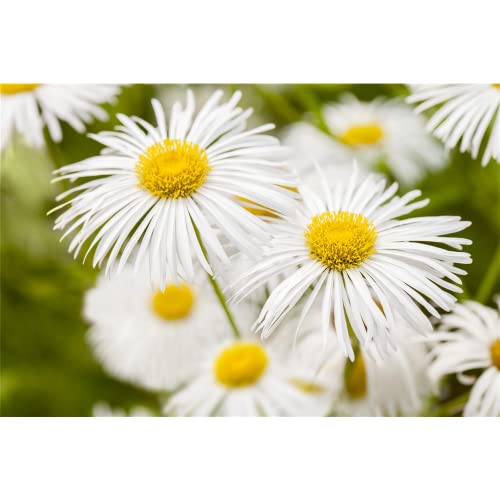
[(335, 291)]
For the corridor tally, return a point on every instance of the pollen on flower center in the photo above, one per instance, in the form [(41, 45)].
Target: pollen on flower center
[(355, 378), (172, 168), (495, 353), (362, 135), (240, 365), (340, 240), (175, 302), (496, 85), (17, 88)]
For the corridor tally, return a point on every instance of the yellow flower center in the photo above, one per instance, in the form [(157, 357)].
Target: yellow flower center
[(306, 386), (340, 240), (175, 302), (17, 88), (172, 168), (362, 135), (240, 365), (355, 378), (495, 353)]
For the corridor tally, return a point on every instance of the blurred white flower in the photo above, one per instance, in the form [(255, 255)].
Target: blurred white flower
[(103, 409), (383, 131), (370, 386), (380, 131), (155, 186), (350, 243), (468, 340), (247, 377), (469, 113), (28, 108), (153, 338)]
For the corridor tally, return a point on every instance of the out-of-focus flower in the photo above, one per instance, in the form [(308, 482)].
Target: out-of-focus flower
[(350, 245), (28, 108), (384, 131), (154, 187), (372, 133), (153, 338), (103, 409), (246, 377), (467, 113), (468, 345), (370, 386)]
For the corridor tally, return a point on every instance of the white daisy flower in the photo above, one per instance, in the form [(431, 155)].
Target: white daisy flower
[(351, 244), (153, 338), (469, 113), (468, 340), (103, 409), (246, 377), (370, 386), (383, 131), (27, 108), (157, 186)]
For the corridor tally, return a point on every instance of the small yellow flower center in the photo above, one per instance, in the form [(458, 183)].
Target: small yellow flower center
[(240, 365), (355, 378), (175, 302), (495, 353), (340, 240), (17, 88), (306, 386), (172, 168), (362, 135)]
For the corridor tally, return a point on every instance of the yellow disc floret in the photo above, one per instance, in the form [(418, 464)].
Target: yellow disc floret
[(355, 378), (172, 168), (495, 353), (17, 88), (240, 365), (340, 240), (362, 135), (496, 85), (175, 302)]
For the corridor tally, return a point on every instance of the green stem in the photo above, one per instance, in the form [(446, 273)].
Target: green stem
[(490, 278), (217, 290)]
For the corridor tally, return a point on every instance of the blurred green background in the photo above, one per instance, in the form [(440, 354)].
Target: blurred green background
[(47, 368)]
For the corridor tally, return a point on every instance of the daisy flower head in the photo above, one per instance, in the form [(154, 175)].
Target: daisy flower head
[(370, 386), (350, 246), (383, 132), (249, 378), (467, 343), (27, 108), (151, 337), (160, 189), (466, 113)]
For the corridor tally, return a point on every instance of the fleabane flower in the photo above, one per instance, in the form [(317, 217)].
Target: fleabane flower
[(383, 132), (370, 386), (159, 189), (350, 246), (468, 345), (152, 337), (466, 113), (249, 378), (27, 108)]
